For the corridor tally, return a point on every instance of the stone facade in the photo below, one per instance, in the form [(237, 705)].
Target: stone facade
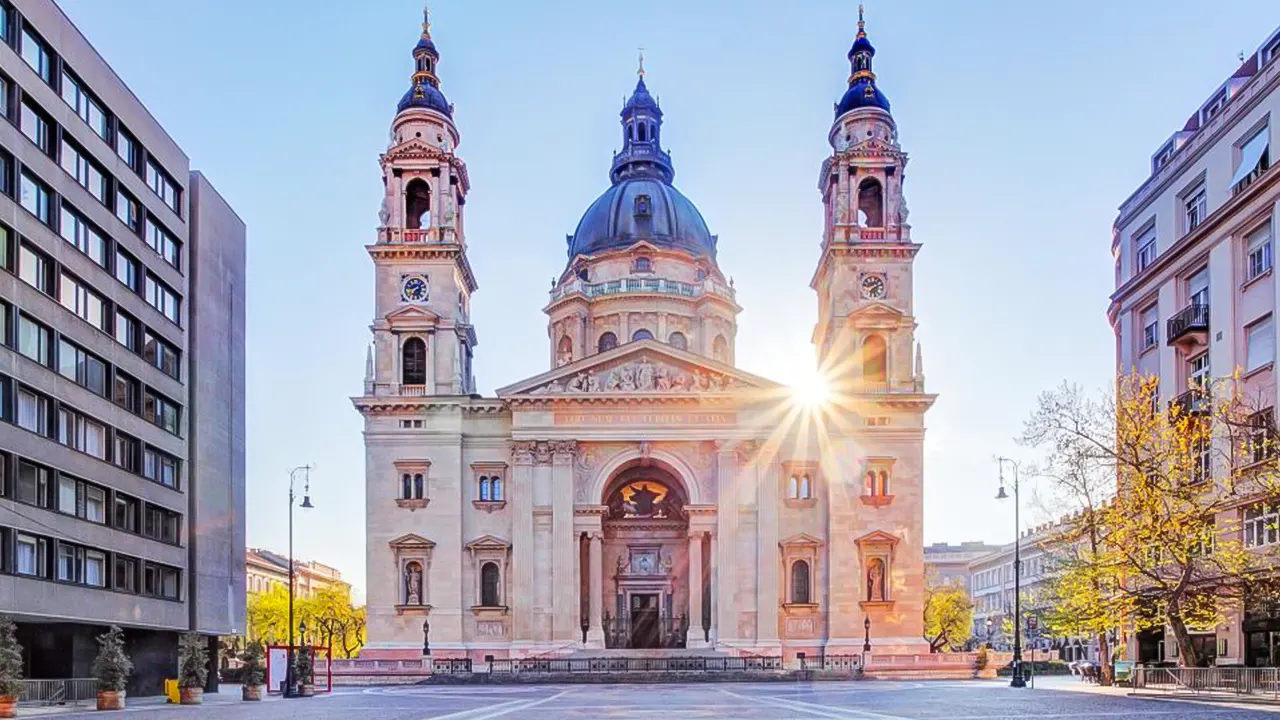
[(644, 491)]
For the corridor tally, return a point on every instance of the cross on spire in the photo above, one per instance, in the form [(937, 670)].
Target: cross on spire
[(640, 72), (426, 19)]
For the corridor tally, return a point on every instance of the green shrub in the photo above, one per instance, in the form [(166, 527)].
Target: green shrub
[(253, 672), (112, 666), (193, 660), (10, 659)]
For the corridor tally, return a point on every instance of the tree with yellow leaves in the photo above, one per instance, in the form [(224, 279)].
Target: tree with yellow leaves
[(1155, 494), (948, 616)]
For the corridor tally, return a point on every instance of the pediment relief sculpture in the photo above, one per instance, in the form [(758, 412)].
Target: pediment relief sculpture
[(641, 375)]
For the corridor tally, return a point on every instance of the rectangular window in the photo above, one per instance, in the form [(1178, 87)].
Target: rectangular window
[(163, 299), (78, 165), (1195, 207), (33, 412), (162, 185), (32, 487), (126, 513), (67, 564), (32, 555), (126, 574), (77, 231), (67, 495), (36, 126), (126, 270), (127, 452), (82, 367), (160, 410), (1214, 106), (161, 524), (160, 354), (128, 210), (1262, 436), (1198, 370), (37, 55), (79, 299), (1146, 250), (1258, 244), (162, 241), (6, 248), (1198, 287), (1150, 319), (89, 109), (82, 433), (126, 330), (36, 197), (95, 568), (126, 147), (34, 339), (34, 269), (160, 467), (1261, 344), (127, 392), (1255, 159)]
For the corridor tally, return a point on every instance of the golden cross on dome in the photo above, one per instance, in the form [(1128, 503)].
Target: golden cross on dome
[(861, 24), (426, 20), (640, 72)]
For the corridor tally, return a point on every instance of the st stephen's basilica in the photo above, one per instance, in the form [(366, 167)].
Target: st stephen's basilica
[(643, 492)]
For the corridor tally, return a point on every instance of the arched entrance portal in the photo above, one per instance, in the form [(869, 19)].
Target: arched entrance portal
[(645, 560)]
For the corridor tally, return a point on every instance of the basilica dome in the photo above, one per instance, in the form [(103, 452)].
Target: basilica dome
[(642, 208)]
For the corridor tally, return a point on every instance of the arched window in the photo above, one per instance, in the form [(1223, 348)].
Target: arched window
[(642, 334), (793, 487), (484, 489), (869, 484), (720, 349), (883, 485), (608, 341), (417, 486), (804, 486), (677, 340), (873, 359), (642, 133), (870, 203), (413, 365), (800, 582), (564, 351), (406, 489), (417, 204), (490, 586), (495, 489)]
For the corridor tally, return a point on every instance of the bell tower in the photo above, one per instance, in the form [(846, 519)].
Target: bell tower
[(423, 340), (865, 336)]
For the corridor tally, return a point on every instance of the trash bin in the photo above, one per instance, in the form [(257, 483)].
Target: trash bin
[(171, 691)]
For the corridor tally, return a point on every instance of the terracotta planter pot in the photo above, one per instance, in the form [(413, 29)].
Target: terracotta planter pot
[(306, 690), (8, 706), (110, 700), (191, 695), (251, 692)]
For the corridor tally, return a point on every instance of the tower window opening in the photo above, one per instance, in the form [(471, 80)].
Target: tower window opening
[(417, 204), (678, 341), (642, 334), (870, 203), (642, 264), (642, 133), (414, 362), (873, 359), (720, 349), (608, 341), (564, 351)]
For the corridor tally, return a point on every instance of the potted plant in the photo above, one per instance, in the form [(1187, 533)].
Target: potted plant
[(193, 668), (10, 668), (303, 671), (252, 672), (983, 664), (111, 668)]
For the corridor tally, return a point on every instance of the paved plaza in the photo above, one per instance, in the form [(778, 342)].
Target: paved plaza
[(960, 700)]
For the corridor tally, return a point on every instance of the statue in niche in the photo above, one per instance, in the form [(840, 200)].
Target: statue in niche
[(642, 501), (903, 212), (623, 569), (842, 206), (413, 584), (875, 580), (665, 564), (644, 375), (448, 209)]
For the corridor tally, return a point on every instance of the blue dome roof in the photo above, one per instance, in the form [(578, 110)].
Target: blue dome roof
[(862, 93), (425, 95), (862, 44), (425, 43), (615, 221)]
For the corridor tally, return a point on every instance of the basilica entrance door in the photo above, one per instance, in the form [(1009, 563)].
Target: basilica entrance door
[(644, 620)]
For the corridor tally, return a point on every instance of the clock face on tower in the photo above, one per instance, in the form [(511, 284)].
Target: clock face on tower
[(873, 286), (414, 289)]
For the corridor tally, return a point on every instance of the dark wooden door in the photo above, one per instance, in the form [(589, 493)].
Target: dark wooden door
[(644, 620)]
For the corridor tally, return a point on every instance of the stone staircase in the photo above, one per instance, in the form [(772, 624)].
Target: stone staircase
[(644, 653)]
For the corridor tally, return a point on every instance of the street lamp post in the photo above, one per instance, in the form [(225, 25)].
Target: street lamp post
[(290, 689), (1018, 680), (866, 626), (990, 623)]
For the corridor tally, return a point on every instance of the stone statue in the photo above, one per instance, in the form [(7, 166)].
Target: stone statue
[(842, 207), (593, 385), (448, 209), (644, 375), (875, 580), (903, 212), (622, 566), (384, 215), (413, 585), (662, 381), (665, 564), (626, 378)]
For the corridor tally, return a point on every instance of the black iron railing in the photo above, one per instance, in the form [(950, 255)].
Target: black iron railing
[(637, 665), (1192, 318), (823, 661), (1195, 401), (451, 666)]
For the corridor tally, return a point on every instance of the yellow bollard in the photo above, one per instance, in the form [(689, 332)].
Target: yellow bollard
[(171, 690)]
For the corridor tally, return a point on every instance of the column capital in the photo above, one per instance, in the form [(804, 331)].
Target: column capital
[(522, 452), (597, 536), (563, 451)]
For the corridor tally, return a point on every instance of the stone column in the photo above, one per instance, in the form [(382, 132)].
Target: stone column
[(430, 388), (725, 570), (715, 591), (565, 625), (695, 637), (595, 581), (521, 492), (767, 555), (624, 327), (661, 333), (396, 358)]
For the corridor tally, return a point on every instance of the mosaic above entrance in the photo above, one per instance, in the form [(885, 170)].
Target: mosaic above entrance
[(647, 499)]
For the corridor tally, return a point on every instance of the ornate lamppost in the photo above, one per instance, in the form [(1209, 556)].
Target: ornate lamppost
[(866, 626), (1018, 680), (290, 689)]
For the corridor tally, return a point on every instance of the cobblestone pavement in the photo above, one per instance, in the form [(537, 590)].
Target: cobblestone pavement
[(972, 700)]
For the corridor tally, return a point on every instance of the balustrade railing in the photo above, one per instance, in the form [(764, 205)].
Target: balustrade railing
[(660, 286)]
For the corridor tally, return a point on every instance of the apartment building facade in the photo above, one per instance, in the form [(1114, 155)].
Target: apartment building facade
[(266, 570), (992, 583), (949, 565), (1196, 292), (121, 366)]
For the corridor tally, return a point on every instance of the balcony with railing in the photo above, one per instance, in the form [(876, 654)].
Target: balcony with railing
[(659, 286), (850, 233), (1195, 401), (417, 236), (1188, 329)]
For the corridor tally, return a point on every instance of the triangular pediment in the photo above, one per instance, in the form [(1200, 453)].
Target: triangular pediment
[(412, 317), (877, 538), (488, 542), (800, 540), (415, 147), (411, 542), (877, 309), (643, 367)]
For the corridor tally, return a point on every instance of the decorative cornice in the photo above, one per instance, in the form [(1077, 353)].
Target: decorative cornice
[(418, 252)]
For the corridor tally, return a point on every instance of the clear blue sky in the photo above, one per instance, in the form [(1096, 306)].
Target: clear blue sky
[(1027, 124)]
